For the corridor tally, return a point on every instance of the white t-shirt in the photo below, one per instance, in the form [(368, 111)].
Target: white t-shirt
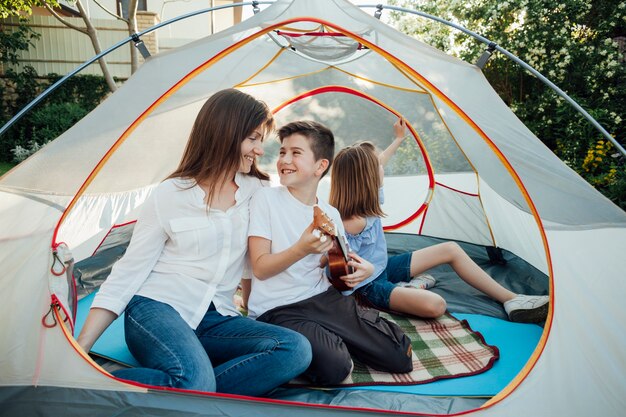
[(278, 216), (182, 254)]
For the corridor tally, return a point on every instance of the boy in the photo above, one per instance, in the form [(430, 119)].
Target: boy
[(290, 287)]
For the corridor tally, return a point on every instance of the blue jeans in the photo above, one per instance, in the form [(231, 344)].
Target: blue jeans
[(378, 292), (231, 354)]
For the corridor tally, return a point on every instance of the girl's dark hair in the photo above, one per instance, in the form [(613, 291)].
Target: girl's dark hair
[(213, 151), (355, 182)]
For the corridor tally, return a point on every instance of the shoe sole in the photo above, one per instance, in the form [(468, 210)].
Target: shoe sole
[(416, 287), (534, 315)]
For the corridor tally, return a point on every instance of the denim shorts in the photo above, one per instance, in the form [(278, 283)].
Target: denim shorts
[(378, 291)]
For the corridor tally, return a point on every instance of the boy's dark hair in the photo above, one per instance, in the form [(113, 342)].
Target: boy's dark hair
[(320, 138)]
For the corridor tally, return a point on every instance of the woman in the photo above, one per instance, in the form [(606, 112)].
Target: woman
[(184, 262)]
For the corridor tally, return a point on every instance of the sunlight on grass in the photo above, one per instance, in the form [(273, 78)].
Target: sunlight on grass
[(5, 167)]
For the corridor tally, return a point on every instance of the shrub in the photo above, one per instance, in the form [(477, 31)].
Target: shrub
[(57, 113), (46, 124), (575, 43)]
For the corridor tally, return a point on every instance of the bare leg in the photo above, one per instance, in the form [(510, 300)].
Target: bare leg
[(451, 253), (418, 302)]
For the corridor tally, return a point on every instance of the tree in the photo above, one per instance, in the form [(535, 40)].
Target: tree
[(89, 30), (63, 109), (12, 42), (131, 22), (21, 7), (575, 43)]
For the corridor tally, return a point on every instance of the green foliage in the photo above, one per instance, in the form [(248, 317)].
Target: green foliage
[(84, 90), (57, 113), (18, 7), (45, 124), (408, 160), (611, 182), (11, 42), (26, 88), (5, 167), (572, 42)]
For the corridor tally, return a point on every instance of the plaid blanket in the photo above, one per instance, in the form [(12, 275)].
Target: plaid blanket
[(442, 348)]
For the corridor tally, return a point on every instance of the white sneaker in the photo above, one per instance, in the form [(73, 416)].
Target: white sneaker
[(527, 308), (423, 282)]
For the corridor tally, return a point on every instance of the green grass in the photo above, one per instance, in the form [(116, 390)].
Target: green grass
[(5, 166)]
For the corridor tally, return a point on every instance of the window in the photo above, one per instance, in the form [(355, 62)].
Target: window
[(122, 7)]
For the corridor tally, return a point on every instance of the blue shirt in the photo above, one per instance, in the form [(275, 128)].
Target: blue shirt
[(370, 244)]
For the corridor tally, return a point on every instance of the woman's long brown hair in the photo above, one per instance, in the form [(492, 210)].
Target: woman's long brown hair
[(355, 181), (213, 151)]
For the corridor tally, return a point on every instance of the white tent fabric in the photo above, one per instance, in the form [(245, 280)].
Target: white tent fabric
[(474, 173)]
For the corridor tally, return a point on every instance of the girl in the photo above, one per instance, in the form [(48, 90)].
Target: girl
[(184, 262), (356, 182)]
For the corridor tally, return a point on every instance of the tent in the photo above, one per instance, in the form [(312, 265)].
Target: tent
[(474, 173)]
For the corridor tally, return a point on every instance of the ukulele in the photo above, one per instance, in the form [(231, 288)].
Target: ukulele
[(338, 254)]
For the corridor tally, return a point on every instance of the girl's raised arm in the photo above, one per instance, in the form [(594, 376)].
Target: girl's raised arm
[(399, 130)]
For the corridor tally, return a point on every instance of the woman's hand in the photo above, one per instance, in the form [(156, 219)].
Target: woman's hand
[(363, 269)]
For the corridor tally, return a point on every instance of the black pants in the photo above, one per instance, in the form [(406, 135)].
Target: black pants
[(336, 326)]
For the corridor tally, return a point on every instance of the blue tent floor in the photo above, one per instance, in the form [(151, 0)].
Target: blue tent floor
[(515, 342)]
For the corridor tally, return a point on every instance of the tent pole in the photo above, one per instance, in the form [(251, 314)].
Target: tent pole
[(133, 38), (379, 8), (482, 61), (515, 59), (141, 46)]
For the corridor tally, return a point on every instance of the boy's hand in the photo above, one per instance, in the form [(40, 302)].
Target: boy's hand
[(399, 129), (362, 270), (313, 241)]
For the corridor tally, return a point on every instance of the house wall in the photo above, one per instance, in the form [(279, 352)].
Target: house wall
[(61, 49), (178, 33)]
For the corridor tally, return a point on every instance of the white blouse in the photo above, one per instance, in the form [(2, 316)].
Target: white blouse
[(182, 253)]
